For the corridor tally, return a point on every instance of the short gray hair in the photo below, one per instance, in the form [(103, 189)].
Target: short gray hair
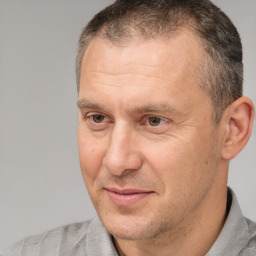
[(221, 72)]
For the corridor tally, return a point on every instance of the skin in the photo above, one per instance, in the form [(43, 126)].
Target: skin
[(150, 154)]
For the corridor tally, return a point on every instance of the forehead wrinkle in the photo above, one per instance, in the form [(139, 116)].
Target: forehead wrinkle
[(136, 66), (134, 73), (125, 85)]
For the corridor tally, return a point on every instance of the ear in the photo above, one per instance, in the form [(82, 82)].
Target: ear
[(238, 122)]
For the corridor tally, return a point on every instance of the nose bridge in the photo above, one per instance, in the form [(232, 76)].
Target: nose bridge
[(122, 153)]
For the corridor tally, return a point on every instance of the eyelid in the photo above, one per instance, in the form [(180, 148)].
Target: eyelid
[(92, 113), (163, 127), (89, 115), (161, 118), (144, 119)]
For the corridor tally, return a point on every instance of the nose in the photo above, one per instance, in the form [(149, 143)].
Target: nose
[(122, 154)]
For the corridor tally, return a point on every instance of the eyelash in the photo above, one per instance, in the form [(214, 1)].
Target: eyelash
[(154, 118), (90, 117), (144, 121)]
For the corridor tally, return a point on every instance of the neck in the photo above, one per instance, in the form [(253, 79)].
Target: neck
[(194, 236)]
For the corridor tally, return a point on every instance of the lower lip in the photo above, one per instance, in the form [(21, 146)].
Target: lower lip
[(126, 199)]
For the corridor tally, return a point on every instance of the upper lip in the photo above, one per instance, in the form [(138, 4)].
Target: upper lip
[(127, 191)]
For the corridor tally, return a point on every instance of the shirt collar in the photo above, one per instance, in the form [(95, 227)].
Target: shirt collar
[(234, 233), (99, 241)]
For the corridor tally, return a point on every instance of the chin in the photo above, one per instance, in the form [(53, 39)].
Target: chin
[(129, 234), (132, 228)]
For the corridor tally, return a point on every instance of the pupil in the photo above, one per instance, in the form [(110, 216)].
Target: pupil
[(98, 118), (154, 121)]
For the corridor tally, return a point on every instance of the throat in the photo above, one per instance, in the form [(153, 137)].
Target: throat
[(117, 247)]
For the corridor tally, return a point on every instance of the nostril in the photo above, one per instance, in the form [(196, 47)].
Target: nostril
[(120, 165)]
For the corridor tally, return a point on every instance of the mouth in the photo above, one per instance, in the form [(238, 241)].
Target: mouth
[(126, 197)]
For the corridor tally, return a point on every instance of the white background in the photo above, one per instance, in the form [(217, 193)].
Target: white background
[(40, 182)]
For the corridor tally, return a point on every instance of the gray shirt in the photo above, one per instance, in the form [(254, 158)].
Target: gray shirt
[(90, 238)]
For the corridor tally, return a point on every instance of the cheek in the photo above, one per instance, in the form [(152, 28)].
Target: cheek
[(166, 157), (177, 164), (91, 154)]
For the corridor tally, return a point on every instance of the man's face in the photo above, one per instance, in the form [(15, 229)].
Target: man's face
[(149, 151)]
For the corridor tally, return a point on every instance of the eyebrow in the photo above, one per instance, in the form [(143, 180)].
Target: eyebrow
[(156, 108), (84, 104)]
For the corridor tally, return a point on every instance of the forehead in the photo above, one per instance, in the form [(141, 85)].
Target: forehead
[(162, 70), (162, 54)]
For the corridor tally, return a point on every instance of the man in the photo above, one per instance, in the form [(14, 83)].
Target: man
[(161, 114)]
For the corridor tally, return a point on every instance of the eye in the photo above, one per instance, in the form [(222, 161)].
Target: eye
[(97, 121), (98, 118), (154, 121)]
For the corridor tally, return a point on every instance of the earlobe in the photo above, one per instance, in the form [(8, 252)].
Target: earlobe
[(239, 121)]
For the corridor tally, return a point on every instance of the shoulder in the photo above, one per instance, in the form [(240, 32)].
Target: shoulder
[(249, 248), (59, 241)]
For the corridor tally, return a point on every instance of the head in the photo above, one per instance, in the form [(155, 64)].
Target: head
[(160, 114), (221, 71)]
